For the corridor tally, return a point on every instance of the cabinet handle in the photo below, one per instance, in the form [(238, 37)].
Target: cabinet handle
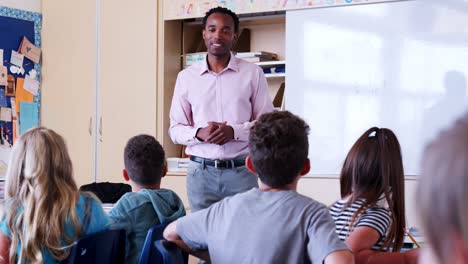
[(100, 126), (90, 127)]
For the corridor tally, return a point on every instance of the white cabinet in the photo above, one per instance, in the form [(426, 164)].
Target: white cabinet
[(68, 78), (99, 79), (127, 77)]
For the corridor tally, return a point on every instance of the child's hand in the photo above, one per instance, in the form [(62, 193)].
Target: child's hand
[(411, 256), (376, 257), (363, 256)]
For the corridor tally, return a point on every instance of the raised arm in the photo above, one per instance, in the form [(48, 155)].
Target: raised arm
[(362, 238)]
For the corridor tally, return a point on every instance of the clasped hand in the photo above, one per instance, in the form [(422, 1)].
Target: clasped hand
[(216, 133)]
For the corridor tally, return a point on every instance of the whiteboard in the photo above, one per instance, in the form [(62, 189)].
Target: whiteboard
[(400, 65)]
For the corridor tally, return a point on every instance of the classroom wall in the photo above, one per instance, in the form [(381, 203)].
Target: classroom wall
[(325, 190), (28, 5)]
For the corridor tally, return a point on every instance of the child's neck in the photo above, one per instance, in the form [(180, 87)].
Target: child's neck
[(137, 187), (266, 188)]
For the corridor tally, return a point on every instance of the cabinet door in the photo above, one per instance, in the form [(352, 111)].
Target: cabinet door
[(127, 78), (68, 78)]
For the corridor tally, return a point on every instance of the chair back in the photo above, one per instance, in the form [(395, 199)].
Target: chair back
[(149, 255), (102, 247), (170, 252), (107, 192)]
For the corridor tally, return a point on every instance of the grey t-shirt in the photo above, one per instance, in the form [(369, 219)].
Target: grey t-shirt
[(263, 227)]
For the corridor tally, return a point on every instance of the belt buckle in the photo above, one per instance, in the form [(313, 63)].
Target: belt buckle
[(216, 164)]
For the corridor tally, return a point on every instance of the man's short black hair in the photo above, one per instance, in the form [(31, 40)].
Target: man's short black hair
[(222, 10), (144, 160), (279, 147)]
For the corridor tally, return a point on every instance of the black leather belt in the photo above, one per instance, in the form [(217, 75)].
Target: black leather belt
[(227, 164)]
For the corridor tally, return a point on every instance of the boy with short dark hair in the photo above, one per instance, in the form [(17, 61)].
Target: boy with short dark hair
[(148, 204), (271, 224)]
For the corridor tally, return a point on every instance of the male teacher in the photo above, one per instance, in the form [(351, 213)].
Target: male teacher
[(215, 103)]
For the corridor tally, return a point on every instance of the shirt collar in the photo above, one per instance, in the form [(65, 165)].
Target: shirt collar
[(232, 65)]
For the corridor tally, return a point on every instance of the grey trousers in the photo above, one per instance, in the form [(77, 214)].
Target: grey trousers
[(207, 185)]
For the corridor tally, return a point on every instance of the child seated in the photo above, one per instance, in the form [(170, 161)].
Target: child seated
[(442, 196), (43, 213), (148, 204), (272, 223), (371, 212)]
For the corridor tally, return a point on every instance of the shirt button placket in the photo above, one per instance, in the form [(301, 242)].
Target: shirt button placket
[(219, 99), (219, 107)]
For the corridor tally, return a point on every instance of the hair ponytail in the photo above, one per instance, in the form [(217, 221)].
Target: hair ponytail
[(373, 169), (392, 172)]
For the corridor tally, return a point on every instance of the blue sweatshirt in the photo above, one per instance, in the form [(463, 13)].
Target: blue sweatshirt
[(136, 212)]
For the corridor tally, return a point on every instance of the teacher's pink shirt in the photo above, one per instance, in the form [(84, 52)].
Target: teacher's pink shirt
[(237, 95)]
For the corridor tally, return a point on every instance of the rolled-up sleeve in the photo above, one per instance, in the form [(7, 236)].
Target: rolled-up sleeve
[(194, 228), (323, 239), (181, 128)]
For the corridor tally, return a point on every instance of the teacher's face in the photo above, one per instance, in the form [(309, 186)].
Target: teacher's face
[(219, 34)]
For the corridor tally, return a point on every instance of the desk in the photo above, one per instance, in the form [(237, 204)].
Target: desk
[(408, 243)]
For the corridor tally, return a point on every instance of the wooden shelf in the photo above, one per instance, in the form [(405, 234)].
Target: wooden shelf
[(275, 75), (177, 173), (270, 63)]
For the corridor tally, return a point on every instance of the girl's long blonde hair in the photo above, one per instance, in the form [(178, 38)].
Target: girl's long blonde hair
[(41, 195)]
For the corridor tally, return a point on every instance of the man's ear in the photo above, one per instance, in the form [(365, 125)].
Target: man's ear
[(203, 34), (125, 175), (235, 37), (249, 165), (306, 168)]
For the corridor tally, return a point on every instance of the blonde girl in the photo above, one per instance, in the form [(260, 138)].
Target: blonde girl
[(43, 211)]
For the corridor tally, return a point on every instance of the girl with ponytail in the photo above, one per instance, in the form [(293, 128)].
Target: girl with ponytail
[(370, 216)]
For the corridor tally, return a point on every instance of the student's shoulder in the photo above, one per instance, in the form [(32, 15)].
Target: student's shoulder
[(311, 207), (128, 202), (130, 198), (86, 196), (242, 198), (378, 211), (308, 201), (99, 218), (232, 203)]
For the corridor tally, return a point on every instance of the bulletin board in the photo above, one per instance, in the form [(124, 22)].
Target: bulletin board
[(16, 24)]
